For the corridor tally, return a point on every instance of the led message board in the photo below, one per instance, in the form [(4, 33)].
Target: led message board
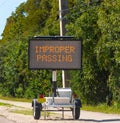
[(54, 54)]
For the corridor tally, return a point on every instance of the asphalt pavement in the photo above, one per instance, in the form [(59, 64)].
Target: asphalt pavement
[(5, 120)]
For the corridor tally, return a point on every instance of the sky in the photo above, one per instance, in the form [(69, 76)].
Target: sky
[(6, 9)]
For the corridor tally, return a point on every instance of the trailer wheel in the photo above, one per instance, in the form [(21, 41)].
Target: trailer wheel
[(36, 109), (76, 111)]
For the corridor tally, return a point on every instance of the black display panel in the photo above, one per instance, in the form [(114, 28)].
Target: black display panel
[(53, 53)]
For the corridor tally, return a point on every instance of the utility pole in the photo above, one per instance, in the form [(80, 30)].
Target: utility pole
[(63, 10)]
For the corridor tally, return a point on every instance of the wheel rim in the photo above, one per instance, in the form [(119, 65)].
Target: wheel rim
[(34, 107), (34, 112)]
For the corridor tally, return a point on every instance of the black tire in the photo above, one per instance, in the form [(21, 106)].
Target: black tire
[(76, 111), (36, 109), (36, 113)]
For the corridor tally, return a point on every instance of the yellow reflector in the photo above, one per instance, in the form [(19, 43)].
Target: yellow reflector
[(42, 100)]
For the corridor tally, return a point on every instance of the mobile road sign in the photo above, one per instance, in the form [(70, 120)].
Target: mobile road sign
[(55, 53)]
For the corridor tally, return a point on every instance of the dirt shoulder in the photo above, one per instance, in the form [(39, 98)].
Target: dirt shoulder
[(85, 117)]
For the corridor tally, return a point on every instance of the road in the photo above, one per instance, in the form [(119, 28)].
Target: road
[(5, 120), (85, 117)]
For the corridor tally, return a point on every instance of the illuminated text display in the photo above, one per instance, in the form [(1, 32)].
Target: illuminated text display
[(54, 54)]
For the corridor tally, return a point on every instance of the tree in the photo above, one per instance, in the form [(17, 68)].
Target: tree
[(90, 83), (97, 22), (14, 28), (108, 46)]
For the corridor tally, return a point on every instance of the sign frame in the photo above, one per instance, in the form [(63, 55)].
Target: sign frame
[(63, 39)]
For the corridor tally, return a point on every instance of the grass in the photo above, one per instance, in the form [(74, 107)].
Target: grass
[(115, 109), (16, 99), (18, 111), (25, 112), (5, 104), (99, 108), (102, 108), (28, 112)]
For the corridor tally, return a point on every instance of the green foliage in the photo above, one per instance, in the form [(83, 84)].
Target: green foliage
[(98, 26), (96, 22), (25, 112), (51, 25), (5, 104), (107, 51), (115, 109)]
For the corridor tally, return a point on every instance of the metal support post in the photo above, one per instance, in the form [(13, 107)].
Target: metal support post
[(62, 112), (45, 111), (54, 84), (63, 5), (74, 110)]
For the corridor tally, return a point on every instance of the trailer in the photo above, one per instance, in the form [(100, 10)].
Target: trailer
[(63, 101), (56, 53)]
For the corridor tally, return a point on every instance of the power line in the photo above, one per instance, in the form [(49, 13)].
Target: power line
[(58, 19), (68, 9)]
